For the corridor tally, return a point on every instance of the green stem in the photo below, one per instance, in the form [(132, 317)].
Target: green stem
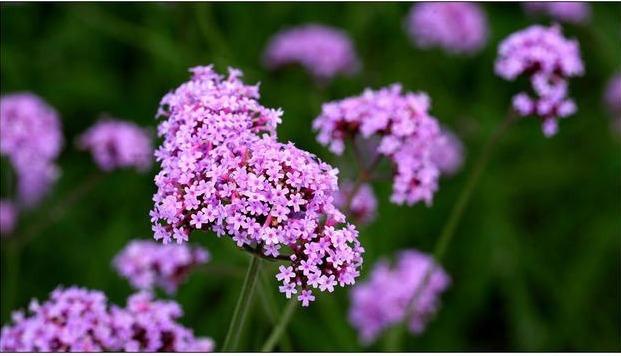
[(245, 297), (280, 328), (271, 309)]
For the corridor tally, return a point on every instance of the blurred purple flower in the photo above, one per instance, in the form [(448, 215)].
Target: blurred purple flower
[(31, 137), (79, 320), (448, 152), (381, 302), (543, 54), (457, 27), (565, 11), (324, 51), (118, 144), (363, 207), (147, 264), (8, 216), (407, 135)]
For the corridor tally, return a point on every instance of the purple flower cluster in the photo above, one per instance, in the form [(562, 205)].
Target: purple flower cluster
[(381, 302), (218, 174), (322, 50), (549, 59), (79, 320), (566, 11), (448, 152), (118, 144), (457, 27), (8, 217), (407, 136), (363, 205), (147, 264), (613, 96), (31, 137)]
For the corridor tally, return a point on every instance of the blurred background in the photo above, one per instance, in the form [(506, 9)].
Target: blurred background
[(535, 261)]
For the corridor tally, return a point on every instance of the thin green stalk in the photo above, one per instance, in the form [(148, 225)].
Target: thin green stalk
[(245, 297), (448, 231), (271, 309), (281, 326)]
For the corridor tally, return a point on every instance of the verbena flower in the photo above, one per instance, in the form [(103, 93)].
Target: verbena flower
[(406, 130), (322, 50), (8, 216), (612, 95), (548, 59), (79, 320), (381, 302), (566, 11), (118, 144), (218, 174), (363, 206), (457, 27), (147, 264), (448, 152), (31, 138)]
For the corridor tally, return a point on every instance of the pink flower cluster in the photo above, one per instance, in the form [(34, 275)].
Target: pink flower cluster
[(31, 137), (613, 96), (567, 11), (118, 144), (549, 59), (457, 27), (219, 175), (381, 302), (8, 217), (322, 50), (363, 205), (407, 136), (147, 264), (79, 320), (448, 152)]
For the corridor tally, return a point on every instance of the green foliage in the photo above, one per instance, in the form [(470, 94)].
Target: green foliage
[(535, 261)]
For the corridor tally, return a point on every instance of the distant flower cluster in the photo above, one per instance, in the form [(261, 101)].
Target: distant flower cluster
[(543, 54), (381, 302), (566, 11), (118, 144), (147, 264), (79, 320), (8, 217), (407, 136), (323, 51), (613, 96), (448, 152), (363, 205), (457, 27), (219, 174), (31, 137)]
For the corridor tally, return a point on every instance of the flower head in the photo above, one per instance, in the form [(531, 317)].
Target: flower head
[(118, 144), (8, 216), (31, 138), (543, 54), (321, 50), (406, 131), (79, 320), (382, 301), (457, 27), (147, 264), (363, 205), (565, 11), (448, 152)]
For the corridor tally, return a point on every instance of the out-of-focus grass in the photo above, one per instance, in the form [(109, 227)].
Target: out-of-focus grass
[(535, 262)]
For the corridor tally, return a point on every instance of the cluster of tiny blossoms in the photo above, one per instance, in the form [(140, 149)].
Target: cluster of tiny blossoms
[(322, 50), (147, 264), (457, 27), (566, 11), (382, 301), (31, 137), (224, 171), (8, 217), (118, 144), (448, 152), (79, 320), (407, 136), (549, 59), (363, 204)]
